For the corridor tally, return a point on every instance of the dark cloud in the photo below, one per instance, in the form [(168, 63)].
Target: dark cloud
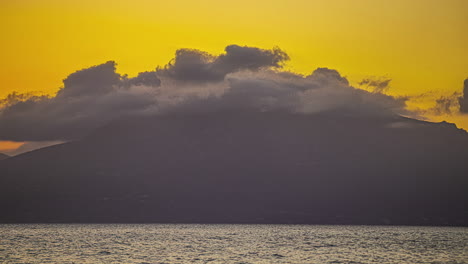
[(195, 65), (377, 85), (144, 79), (325, 75), (464, 99), (15, 98), (89, 98), (93, 81), (446, 105), (241, 78), (237, 57)]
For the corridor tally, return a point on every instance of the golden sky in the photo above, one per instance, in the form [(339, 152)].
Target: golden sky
[(420, 44)]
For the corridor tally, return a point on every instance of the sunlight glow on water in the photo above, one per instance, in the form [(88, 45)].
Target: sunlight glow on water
[(180, 243)]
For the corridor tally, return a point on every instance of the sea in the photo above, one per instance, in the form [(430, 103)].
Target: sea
[(220, 243)]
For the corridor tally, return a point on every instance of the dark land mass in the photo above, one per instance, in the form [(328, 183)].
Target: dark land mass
[(246, 167), (3, 156)]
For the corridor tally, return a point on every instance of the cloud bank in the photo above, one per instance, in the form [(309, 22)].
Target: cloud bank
[(242, 78)]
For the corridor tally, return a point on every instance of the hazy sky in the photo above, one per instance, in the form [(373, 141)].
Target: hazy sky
[(419, 44)]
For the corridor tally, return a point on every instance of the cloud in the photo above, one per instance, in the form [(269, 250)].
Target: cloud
[(446, 105), (94, 81), (144, 79), (242, 78), (334, 92), (464, 99), (15, 98), (88, 99), (377, 85), (195, 65)]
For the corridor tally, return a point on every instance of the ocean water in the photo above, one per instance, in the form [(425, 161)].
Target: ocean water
[(181, 243)]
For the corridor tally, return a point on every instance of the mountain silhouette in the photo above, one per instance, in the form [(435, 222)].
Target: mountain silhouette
[(246, 167), (3, 156)]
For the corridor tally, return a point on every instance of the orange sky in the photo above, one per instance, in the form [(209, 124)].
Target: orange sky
[(419, 44), (9, 145)]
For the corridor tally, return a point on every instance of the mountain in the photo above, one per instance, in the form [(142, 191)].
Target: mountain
[(246, 167), (3, 156)]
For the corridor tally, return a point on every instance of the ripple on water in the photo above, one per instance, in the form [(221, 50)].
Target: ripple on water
[(171, 243)]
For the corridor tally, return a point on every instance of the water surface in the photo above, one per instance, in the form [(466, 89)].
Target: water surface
[(180, 243)]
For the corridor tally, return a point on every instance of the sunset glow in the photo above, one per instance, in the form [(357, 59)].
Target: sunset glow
[(420, 45)]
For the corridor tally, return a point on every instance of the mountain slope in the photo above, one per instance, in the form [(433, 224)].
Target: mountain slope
[(3, 156), (246, 167)]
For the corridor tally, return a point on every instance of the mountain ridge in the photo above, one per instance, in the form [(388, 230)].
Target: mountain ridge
[(246, 167)]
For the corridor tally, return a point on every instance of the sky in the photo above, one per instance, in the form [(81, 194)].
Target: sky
[(419, 45)]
